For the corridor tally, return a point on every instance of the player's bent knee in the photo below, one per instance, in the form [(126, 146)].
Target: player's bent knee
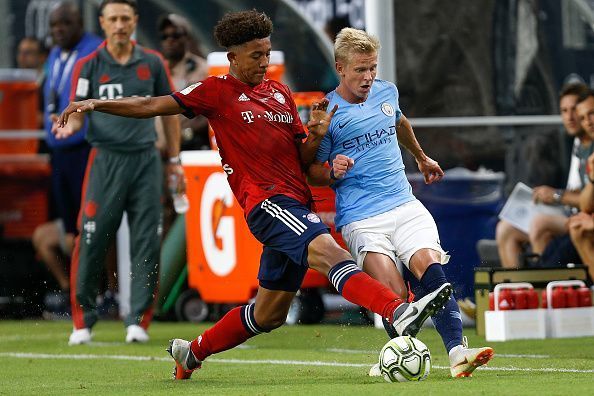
[(323, 253)]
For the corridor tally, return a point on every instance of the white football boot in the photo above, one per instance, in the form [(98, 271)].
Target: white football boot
[(464, 360), (135, 333), (411, 316), (80, 336), (185, 361)]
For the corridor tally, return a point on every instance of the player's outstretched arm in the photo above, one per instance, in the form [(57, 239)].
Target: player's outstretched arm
[(430, 169), (135, 107)]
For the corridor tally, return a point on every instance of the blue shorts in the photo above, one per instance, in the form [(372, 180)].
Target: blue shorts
[(68, 171), (285, 227)]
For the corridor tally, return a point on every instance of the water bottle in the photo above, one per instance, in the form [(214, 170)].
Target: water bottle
[(180, 200)]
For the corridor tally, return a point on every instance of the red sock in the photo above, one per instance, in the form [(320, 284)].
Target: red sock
[(227, 333), (361, 289)]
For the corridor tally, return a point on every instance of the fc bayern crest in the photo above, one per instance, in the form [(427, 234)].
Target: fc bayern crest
[(279, 97), (387, 109), (143, 72), (313, 218)]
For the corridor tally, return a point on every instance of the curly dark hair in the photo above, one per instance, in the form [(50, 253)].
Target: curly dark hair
[(236, 28)]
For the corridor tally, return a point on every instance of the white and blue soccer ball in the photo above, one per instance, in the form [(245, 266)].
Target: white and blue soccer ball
[(405, 359)]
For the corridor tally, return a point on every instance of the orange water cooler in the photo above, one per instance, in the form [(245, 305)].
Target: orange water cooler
[(24, 175)]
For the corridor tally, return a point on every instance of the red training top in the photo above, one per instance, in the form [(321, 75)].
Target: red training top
[(257, 130)]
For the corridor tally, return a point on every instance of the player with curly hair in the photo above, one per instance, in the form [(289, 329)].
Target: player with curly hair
[(262, 147)]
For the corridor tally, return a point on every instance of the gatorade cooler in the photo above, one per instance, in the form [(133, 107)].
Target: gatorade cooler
[(24, 185), (567, 322), (223, 256), (218, 65), (513, 324), (19, 108), (24, 175)]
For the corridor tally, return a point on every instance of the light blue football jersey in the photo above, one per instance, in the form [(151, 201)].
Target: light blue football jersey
[(366, 132)]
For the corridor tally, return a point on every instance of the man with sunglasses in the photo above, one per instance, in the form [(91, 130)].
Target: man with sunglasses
[(180, 49), (187, 66)]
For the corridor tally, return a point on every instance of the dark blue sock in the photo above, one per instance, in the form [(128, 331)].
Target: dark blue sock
[(448, 320), (341, 272)]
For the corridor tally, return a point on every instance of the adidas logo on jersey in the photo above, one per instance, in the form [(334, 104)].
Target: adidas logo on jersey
[(243, 98)]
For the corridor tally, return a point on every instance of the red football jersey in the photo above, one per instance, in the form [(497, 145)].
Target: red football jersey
[(257, 130)]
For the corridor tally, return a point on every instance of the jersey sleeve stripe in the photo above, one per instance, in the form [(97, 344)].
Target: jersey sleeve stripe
[(188, 112)]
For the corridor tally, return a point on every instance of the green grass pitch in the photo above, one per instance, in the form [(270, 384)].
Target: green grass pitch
[(35, 359)]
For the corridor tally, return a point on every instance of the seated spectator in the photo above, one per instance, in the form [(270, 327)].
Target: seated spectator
[(510, 240), (581, 226), (31, 54)]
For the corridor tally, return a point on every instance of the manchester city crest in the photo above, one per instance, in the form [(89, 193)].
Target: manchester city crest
[(387, 109)]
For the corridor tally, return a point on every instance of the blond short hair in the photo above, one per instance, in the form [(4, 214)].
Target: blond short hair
[(354, 40)]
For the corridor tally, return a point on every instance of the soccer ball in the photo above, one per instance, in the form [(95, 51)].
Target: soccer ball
[(405, 359)]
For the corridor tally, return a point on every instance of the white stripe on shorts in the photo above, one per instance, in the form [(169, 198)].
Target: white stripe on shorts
[(285, 216)]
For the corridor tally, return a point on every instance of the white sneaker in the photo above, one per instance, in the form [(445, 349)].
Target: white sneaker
[(413, 315), (80, 336), (464, 360), (375, 371), (135, 333), (185, 361)]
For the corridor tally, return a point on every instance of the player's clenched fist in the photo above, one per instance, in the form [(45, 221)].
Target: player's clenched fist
[(340, 165)]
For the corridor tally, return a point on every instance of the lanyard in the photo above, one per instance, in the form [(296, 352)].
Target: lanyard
[(60, 70)]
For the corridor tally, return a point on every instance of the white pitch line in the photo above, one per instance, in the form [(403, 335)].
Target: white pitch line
[(362, 351), (511, 355), (24, 355), (502, 355)]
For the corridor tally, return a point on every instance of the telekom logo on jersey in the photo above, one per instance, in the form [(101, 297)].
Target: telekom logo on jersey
[(111, 91), (217, 229), (271, 116)]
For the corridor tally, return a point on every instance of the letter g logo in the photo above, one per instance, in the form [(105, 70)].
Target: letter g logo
[(218, 230)]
